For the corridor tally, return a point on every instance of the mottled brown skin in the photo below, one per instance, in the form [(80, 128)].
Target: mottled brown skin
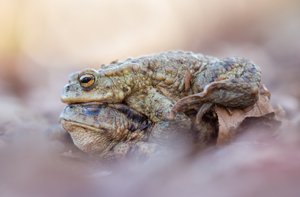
[(161, 85), (107, 131)]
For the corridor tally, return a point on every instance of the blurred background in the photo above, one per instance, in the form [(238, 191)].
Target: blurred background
[(43, 41)]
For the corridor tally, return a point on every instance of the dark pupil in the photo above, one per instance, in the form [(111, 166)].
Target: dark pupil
[(86, 79)]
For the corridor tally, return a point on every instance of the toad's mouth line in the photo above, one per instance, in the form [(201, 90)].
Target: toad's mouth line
[(80, 101), (72, 123), (89, 103), (86, 103)]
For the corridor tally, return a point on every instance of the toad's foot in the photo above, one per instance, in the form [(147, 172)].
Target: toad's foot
[(188, 103), (203, 110)]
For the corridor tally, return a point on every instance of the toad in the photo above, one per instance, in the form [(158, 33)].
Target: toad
[(110, 131), (164, 85)]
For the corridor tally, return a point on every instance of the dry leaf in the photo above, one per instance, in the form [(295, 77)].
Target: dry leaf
[(231, 119)]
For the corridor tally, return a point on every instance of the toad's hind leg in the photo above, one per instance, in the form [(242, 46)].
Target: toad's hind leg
[(231, 93)]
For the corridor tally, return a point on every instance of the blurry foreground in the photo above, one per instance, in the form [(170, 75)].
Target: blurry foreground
[(41, 42)]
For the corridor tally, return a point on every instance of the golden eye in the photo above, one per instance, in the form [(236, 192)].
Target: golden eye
[(87, 80)]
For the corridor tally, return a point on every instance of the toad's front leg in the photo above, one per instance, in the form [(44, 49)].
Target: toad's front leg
[(153, 104), (157, 108)]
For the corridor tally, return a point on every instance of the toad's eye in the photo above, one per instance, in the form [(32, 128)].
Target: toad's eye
[(87, 80)]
